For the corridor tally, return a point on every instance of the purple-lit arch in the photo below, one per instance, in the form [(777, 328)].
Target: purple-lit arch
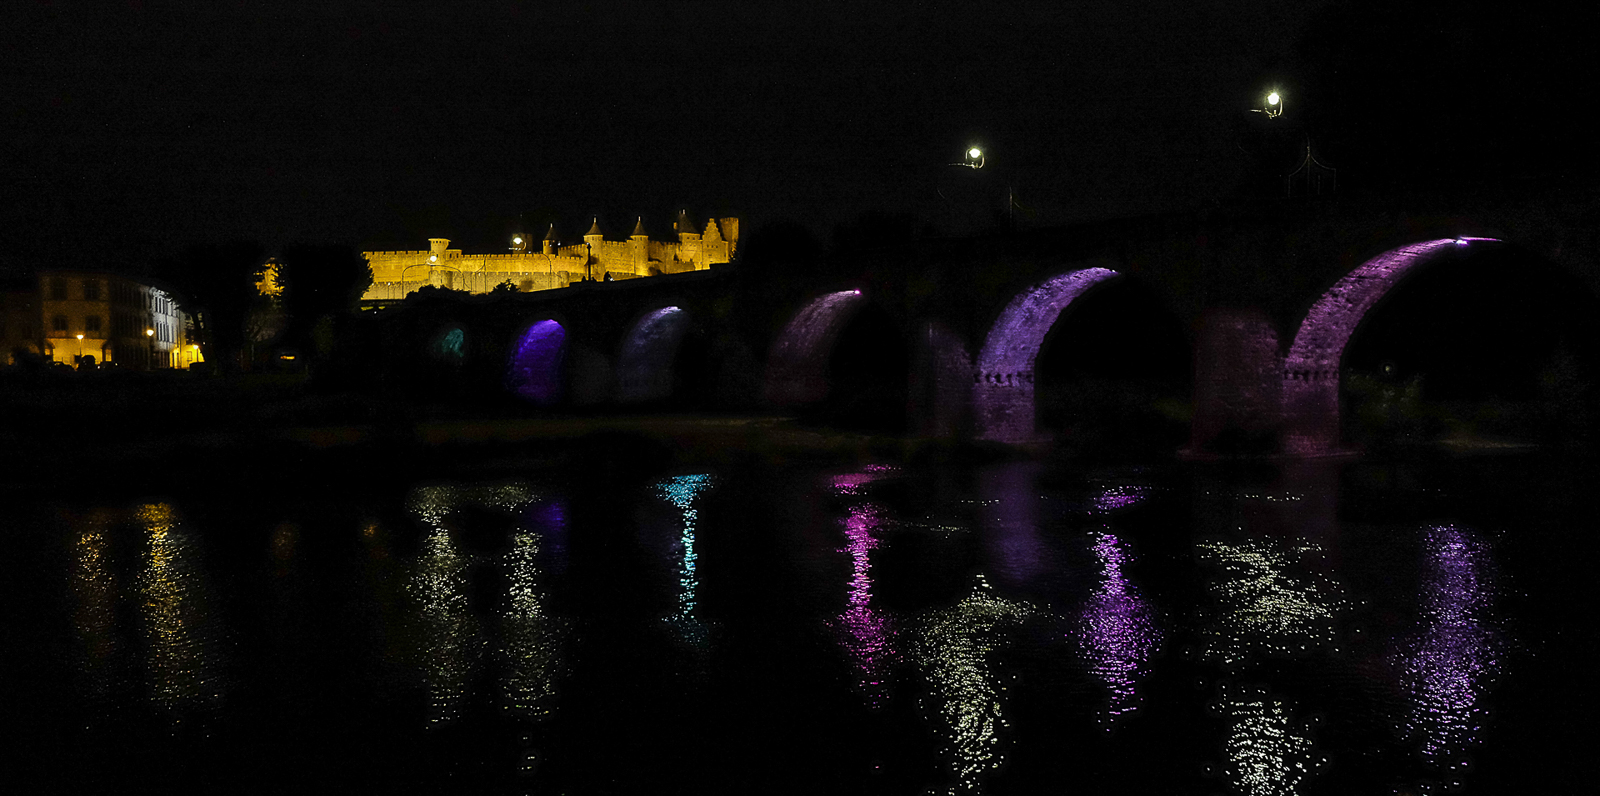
[(1002, 392), (797, 366), (1311, 368), (644, 366), (534, 369)]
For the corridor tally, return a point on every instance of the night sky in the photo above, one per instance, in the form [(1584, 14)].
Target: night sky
[(132, 131)]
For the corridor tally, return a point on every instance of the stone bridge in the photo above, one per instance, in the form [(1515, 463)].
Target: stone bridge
[(942, 337)]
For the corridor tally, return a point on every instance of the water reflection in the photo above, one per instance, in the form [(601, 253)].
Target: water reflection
[(682, 492), (952, 649), (452, 640), (1116, 630), (1261, 604), (94, 587), (183, 663), (868, 632), (1269, 754), (531, 636), (450, 637), (1009, 513), (1447, 666)]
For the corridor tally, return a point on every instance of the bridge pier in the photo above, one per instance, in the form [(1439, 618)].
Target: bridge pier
[(1237, 384)]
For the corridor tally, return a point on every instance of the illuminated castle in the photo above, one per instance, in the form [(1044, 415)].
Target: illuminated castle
[(553, 265)]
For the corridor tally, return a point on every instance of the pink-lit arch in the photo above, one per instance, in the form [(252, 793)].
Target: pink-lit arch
[(644, 366), (1002, 392), (797, 365), (1311, 368)]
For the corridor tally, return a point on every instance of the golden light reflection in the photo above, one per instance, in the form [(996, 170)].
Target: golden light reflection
[(952, 648), (183, 661), (450, 638), (532, 637), (1259, 605), (94, 588), (1269, 754)]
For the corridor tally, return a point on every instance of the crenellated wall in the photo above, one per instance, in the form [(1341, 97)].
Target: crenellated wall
[(396, 274)]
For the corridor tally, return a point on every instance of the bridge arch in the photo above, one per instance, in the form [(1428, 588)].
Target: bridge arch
[(449, 344), (534, 364), (1311, 368), (1003, 381), (649, 349), (797, 363)]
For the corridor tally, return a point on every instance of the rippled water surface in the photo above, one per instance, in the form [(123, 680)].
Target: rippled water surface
[(1013, 627)]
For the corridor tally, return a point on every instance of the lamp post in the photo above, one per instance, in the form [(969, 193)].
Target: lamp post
[(150, 348), (974, 158), (79, 360), (1274, 107)]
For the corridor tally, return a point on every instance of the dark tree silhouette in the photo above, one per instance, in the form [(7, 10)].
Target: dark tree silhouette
[(219, 283), (321, 285)]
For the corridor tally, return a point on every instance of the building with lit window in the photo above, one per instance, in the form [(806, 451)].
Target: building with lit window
[(547, 264), (70, 316)]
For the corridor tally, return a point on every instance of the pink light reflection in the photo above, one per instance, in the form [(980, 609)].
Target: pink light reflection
[(1116, 629), (868, 633), (1448, 666)]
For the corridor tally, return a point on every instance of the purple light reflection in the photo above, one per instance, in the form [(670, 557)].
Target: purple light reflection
[(1311, 368), (1009, 516), (534, 372), (1120, 497), (797, 365), (1116, 628), (1447, 667), (1002, 392), (644, 367)]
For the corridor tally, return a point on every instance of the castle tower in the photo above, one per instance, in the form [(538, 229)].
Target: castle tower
[(437, 247), (640, 243), (685, 227), (594, 239), (688, 239), (550, 240)]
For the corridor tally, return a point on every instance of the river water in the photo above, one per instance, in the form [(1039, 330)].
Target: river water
[(1006, 628)]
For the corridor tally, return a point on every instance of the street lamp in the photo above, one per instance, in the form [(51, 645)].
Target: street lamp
[(973, 158), (1274, 107), (80, 349)]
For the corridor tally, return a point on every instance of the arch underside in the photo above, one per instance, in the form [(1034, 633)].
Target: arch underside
[(797, 366), (534, 371), (644, 366), (1003, 384), (1311, 367)]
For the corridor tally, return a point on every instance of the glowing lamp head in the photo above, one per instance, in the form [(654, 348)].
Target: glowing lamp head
[(1461, 241), (517, 240), (974, 153), (433, 258), (1273, 98), (149, 333), (80, 337)]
